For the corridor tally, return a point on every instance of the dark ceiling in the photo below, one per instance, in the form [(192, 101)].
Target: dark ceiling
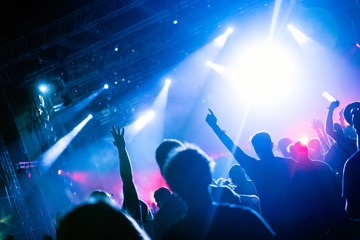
[(71, 43)]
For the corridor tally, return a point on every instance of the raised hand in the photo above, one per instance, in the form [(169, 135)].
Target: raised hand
[(211, 119), (334, 104), (119, 140), (314, 124)]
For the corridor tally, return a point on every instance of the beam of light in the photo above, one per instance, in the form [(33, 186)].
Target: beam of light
[(221, 40), (328, 97), (144, 119), (158, 108), (50, 156), (299, 36), (357, 45), (220, 69), (274, 18), (86, 101)]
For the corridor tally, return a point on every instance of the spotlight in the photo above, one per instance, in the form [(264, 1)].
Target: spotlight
[(328, 97), (299, 36), (229, 31), (208, 63), (221, 40), (106, 86), (90, 116), (116, 49), (59, 172), (43, 88), (175, 21), (357, 45), (167, 82)]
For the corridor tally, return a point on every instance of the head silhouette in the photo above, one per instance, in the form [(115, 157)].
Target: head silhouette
[(99, 220), (161, 195), (283, 146), (262, 144), (237, 175), (299, 151), (188, 173), (163, 150)]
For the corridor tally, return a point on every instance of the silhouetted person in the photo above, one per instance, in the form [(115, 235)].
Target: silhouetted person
[(163, 150), (171, 210), (174, 209), (132, 204), (283, 144), (188, 174), (351, 177), (98, 220), (272, 175), (344, 146), (320, 206), (315, 150), (243, 185)]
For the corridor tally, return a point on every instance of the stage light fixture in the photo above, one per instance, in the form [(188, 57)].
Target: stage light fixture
[(43, 88), (106, 86), (299, 36), (328, 97), (357, 45), (167, 82)]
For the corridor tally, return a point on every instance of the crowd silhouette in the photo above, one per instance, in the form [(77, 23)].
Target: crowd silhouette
[(310, 192)]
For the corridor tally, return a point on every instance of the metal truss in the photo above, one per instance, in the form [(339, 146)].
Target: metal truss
[(15, 191)]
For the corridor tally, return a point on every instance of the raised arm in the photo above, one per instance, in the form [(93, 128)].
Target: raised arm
[(329, 120), (317, 126), (240, 156), (131, 199)]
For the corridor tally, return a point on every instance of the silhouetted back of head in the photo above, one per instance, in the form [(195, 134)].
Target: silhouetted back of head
[(299, 151), (99, 194), (188, 173), (338, 129), (99, 220), (283, 146), (161, 195), (237, 175), (314, 144), (163, 150), (262, 144)]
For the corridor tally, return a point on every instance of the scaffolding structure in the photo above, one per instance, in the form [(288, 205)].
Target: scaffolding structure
[(15, 191)]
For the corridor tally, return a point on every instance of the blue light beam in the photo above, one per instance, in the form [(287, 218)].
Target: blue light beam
[(50, 156)]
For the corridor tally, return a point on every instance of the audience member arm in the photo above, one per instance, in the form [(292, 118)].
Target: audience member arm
[(329, 120), (131, 200), (240, 156)]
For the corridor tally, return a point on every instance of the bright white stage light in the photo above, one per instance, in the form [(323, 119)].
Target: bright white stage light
[(299, 36), (328, 97), (43, 88), (106, 86), (90, 116), (143, 120), (167, 82), (221, 40), (264, 73), (229, 31)]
